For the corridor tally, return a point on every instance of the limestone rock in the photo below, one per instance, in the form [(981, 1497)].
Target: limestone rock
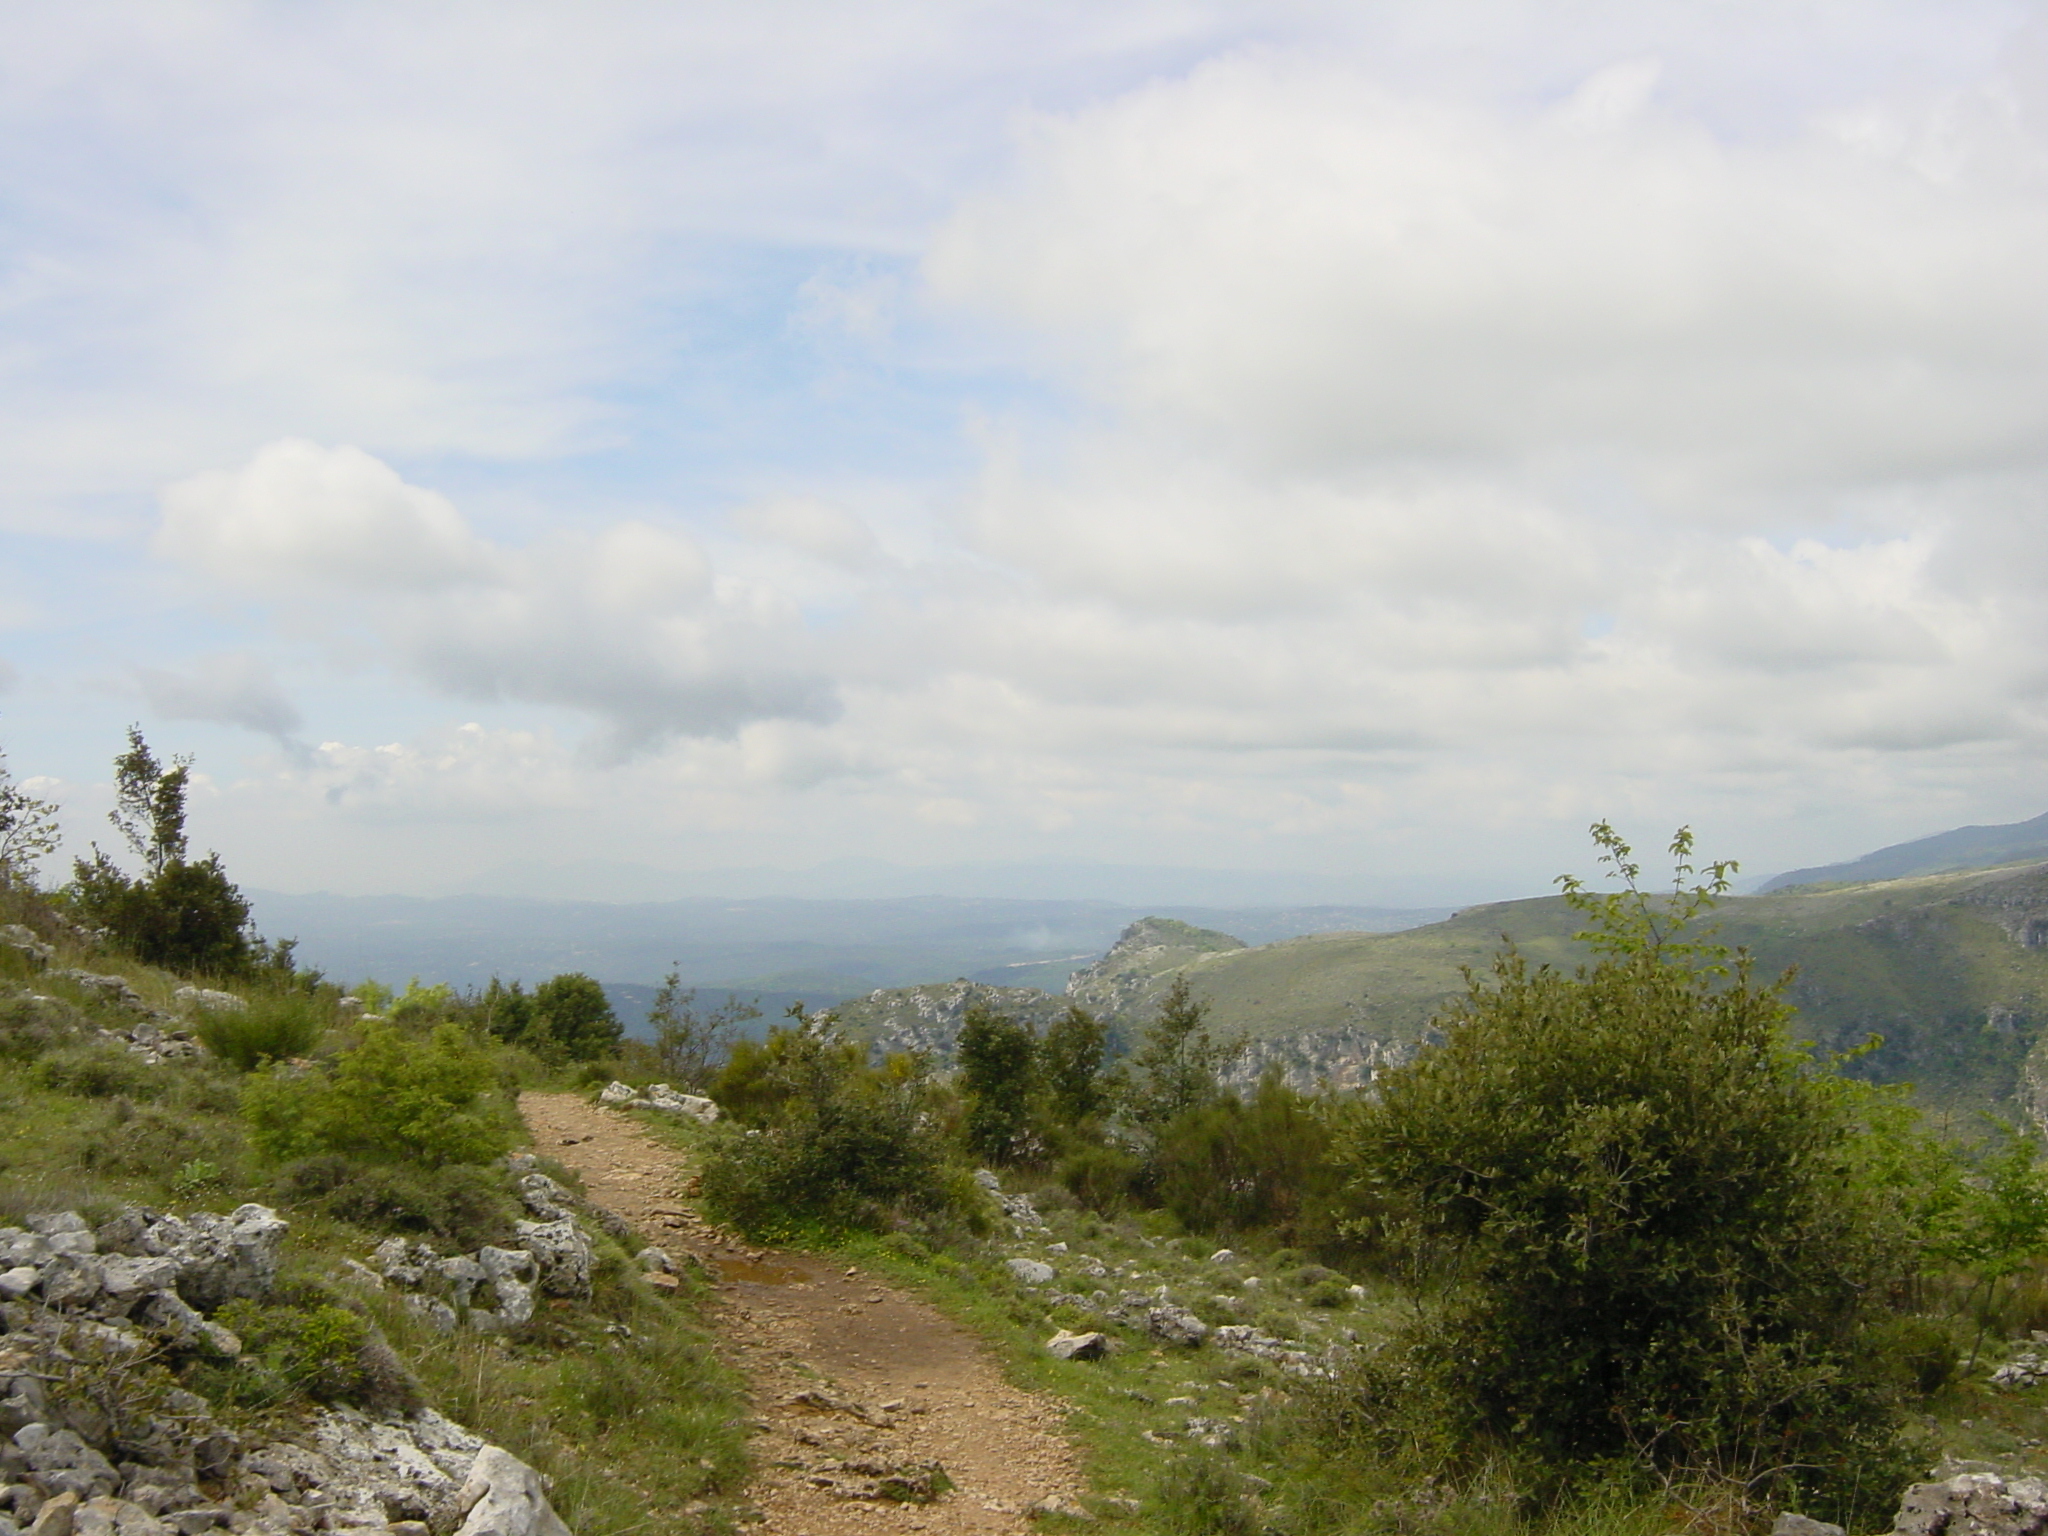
[(1030, 1271), (1077, 1346), (1790, 1524), (617, 1093), (503, 1496), (1974, 1504), (209, 999), (547, 1200), (561, 1253), (221, 1258), (694, 1105)]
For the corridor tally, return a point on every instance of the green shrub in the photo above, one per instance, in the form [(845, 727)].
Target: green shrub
[(1646, 1200), (1233, 1166), (288, 1351), (30, 1027), (1105, 1179), (97, 1071), (844, 1146), (1204, 1496), (391, 1099), (464, 1205), (271, 1028)]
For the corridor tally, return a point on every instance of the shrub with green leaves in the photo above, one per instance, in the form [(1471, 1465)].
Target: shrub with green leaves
[(394, 1098), (314, 1351), (1643, 1205), (464, 1205), (273, 1027), (835, 1144)]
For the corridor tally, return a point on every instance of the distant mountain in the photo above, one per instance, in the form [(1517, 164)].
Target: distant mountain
[(1951, 970), (1962, 848), (784, 949)]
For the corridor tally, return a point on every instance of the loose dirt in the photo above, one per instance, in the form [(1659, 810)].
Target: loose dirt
[(843, 1369)]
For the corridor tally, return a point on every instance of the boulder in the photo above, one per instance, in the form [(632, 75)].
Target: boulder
[(20, 938), (616, 1092), (547, 1200), (694, 1105), (503, 1496), (1077, 1346), (1175, 1325), (561, 1254), (1974, 1504), (221, 1258), (210, 1000), (655, 1261), (106, 989), (1790, 1524), (63, 1463), (1030, 1271)]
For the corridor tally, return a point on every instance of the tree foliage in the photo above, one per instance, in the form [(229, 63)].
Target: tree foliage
[(182, 914), (689, 1038), (1178, 1063), (1071, 1057), (998, 1057), (1655, 1244), (28, 831), (817, 1136), (573, 1014)]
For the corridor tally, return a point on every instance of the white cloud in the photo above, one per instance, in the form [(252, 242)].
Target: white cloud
[(629, 625), (1286, 260)]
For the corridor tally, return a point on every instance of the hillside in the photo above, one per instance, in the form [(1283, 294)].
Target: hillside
[(1959, 848), (1950, 969)]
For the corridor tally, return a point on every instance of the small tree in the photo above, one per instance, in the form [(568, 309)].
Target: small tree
[(996, 1055), (28, 831), (149, 804), (1070, 1059), (1659, 1251), (687, 1039), (1178, 1064), (182, 914), (572, 1012)]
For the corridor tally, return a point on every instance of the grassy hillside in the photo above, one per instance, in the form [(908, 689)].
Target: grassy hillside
[(1949, 968)]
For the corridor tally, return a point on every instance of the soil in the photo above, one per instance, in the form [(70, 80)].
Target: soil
[(842, 1367)]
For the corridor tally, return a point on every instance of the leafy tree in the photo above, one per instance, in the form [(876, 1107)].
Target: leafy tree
[(28, 831), (687, 1039), (1657, 1246), (149, 804), (1178, 1063), (182, 914), (997, 1056), (507, 1010), (1070, 1060), (572, 1012)]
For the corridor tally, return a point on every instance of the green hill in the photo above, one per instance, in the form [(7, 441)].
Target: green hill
[(1950, 969)]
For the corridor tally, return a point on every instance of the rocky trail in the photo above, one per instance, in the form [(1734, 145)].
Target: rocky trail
[(858, 1388)]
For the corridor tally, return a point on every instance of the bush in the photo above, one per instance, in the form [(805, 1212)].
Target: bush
[(1232, 1167), (271, 1028), (189, 917), (464, 1205), (843, 1146), (391, 1099), (1105, 1179), (1646, 1201), (290, 1351), (97, 1072)]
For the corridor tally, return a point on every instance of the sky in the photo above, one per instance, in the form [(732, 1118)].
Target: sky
[(1362, 443)]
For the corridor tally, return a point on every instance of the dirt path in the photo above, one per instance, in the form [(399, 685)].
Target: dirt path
[(842, 1368)]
